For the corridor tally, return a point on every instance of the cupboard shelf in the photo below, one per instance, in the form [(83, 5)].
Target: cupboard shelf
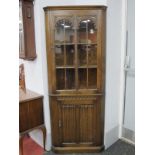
[(65, 67)]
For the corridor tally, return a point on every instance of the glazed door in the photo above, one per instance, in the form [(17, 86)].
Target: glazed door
[(76, 53)]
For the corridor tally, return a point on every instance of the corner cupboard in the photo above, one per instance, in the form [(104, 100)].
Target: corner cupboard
[(75, 42)]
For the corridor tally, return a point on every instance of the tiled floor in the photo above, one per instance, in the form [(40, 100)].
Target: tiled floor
[(119, 148)]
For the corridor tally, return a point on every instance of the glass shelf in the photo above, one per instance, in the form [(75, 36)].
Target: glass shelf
[(82, 66), (63, 67), (87, 44), (92, 66)]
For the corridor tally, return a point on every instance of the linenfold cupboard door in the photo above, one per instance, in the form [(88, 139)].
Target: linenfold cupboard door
[(75, 39), (78, 121)]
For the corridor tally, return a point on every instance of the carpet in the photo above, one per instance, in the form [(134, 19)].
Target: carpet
[(30, 147)]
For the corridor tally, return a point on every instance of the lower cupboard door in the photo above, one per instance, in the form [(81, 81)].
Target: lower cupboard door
[(78, 124)]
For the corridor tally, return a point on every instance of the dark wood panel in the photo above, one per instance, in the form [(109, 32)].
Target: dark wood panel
[(35, 113), (27, 47), (23, 115)]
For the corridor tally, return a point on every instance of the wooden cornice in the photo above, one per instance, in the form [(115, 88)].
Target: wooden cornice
[(79, 7)]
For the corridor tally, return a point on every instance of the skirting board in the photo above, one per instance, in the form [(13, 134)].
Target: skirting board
[(128, 134), (111, 137), (127, 141)]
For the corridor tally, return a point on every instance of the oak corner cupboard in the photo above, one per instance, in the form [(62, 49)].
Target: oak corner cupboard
[(75, 43), (27, 49)]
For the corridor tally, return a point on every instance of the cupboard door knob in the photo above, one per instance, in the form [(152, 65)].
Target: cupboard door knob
[(59, 123)]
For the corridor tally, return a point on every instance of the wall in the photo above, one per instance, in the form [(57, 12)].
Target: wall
[(129, 113), (113, 70), (36, 71), (130, 103)]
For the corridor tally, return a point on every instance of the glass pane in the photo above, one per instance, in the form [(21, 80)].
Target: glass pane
[(82, 74), (92, 32), (59, 55), (70, 55), (70, 78), (92, 35), (92, 55), (92, 78), (82, 55), (82, 31), (60, 79), (59, 32), (70, 37), (69, 32)]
